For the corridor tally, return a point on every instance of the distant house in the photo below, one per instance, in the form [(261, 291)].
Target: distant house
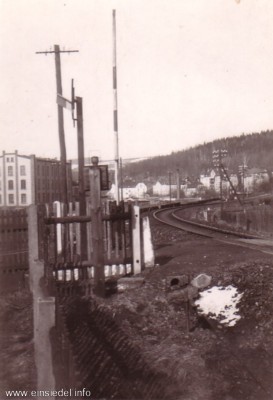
[(191, 190), (26, 180), (162, 188), (253, 177), (130, 190), (212, 180), (208, 179)]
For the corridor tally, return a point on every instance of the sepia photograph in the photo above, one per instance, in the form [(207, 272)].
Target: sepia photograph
[(136, 200)]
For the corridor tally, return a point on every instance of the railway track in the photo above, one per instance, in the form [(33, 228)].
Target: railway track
[(171, 217)]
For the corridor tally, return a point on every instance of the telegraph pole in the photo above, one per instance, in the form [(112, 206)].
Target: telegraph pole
[(82, 200), (242, 169), (70, 105), (57, 53), (170, 185), (178, 191), (218, 156)]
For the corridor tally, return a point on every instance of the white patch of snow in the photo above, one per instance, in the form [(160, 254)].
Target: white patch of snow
[(220, 303)]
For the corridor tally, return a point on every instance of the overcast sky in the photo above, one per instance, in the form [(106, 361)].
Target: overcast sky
[(189, 71)]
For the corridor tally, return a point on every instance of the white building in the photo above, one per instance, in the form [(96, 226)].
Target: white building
[(16, 180), (26, 180), (208, 180), (191, 190), (254, 177), (213, 181), (137, 191), (163, 189)]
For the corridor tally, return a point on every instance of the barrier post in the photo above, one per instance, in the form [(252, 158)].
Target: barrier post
[(96, 228), (137, 259)]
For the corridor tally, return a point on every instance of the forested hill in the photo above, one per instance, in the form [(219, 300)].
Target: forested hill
[(255, 149)]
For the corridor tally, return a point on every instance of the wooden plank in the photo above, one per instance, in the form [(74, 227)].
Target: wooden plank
[(82, 219), (77, 231), (71, 233), (108, 233)]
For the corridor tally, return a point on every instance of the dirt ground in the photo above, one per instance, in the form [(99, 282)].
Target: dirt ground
[(203, 361), (18, 371)]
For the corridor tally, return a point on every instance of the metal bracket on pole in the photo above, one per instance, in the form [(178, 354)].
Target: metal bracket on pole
[(68, 104), (73, 101)]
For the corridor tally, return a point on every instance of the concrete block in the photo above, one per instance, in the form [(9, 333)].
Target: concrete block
[(44, 320), (201, 281), (148, 253), (129, 283), (180, 296)]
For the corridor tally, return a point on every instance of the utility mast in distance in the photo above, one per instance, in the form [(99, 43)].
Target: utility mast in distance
[(117, 179)]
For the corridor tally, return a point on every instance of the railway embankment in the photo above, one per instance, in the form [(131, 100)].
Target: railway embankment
[(147, 343), (206, 361), (106, 361), (250, 219)]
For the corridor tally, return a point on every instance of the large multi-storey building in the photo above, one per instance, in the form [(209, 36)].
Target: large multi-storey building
[(26, 180)]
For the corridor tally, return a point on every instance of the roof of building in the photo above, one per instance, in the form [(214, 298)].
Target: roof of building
[(254, 170)]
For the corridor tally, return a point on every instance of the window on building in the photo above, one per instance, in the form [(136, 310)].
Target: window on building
[(23, 198), (22, 170), (23, 184), (11, 159), (7, 159), (10, 170), (10, 185), (0, 171), (0, 185), (0, 199), (11, 199)]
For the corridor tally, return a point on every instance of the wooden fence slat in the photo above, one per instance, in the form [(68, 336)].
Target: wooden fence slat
[(78, 232), (13, 240)]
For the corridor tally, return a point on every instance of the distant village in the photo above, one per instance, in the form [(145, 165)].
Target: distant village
[(208, 182), (26, 180)]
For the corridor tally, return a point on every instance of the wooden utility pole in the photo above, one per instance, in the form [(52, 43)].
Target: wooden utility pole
[(57, 53), (61, 124), (70, 104), (178, 191), (170, 185), (217, 156), (82, 200)]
